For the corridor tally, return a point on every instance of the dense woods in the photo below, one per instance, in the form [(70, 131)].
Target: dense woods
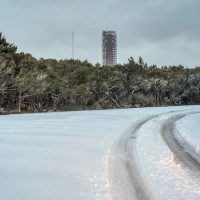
[(28, 84)]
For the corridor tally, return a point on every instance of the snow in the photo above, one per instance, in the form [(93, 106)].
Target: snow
[(62, 155)]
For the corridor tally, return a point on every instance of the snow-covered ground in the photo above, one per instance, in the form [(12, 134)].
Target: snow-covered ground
[(66, 155)]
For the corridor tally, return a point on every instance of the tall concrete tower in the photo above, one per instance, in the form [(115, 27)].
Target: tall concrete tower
[(109, 48)]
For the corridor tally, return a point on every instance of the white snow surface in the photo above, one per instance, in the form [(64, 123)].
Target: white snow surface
[(62, 156)]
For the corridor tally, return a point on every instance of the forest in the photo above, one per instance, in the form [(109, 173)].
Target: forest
[(28, 84)]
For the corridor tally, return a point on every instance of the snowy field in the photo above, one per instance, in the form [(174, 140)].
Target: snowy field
[(75, 155)]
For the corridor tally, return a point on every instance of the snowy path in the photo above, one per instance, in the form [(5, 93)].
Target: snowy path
[(188, 132), (182, 150), (124, 172), (166, 163), (96, 155)]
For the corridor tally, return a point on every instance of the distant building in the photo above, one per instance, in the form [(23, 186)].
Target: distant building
[(109, 48)]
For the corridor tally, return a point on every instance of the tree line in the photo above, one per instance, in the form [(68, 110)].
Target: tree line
[(28, 84)]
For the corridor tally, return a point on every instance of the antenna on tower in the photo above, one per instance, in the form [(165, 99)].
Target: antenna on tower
[(73, 45)]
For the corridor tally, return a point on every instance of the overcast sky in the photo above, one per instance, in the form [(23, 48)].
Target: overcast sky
[(162, 32)]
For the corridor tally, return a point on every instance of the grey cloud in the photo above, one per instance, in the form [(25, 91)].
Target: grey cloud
[(144, 27)]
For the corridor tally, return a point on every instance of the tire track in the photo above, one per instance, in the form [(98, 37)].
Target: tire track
[(183, 151), (125, 178)]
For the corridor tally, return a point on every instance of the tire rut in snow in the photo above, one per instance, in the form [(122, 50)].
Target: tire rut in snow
[(125, 178), (184, 152)]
